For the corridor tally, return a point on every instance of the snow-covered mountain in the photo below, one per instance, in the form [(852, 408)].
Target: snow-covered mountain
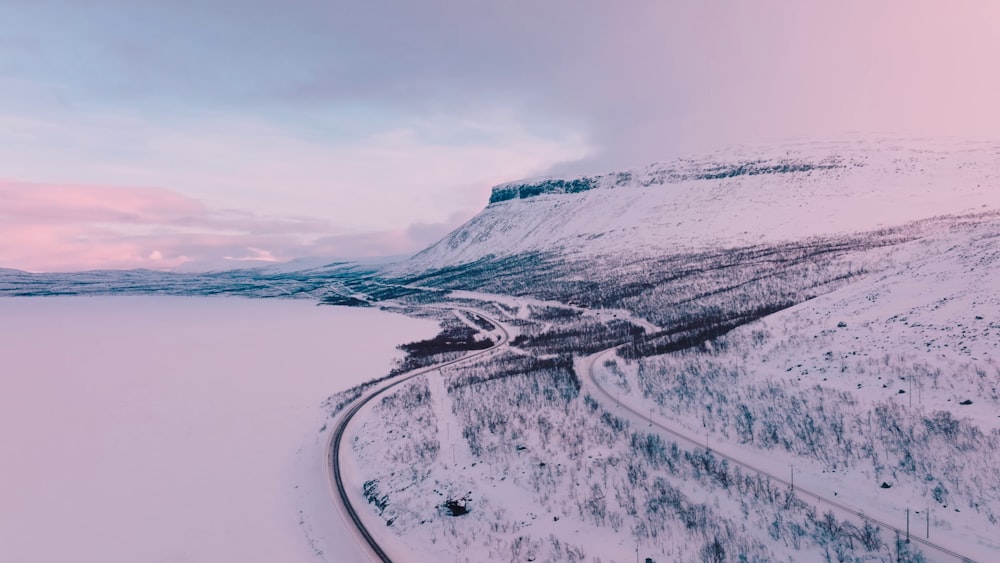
[(738, 197), (825, 312)]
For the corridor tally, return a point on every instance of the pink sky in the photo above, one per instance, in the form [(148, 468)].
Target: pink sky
[(272, 130), (46, 227)]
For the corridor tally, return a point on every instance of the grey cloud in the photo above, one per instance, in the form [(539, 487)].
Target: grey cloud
[(403, 241), (642, 81)]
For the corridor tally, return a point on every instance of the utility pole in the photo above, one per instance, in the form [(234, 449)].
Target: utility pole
[(650, 416), (792, 466), (928, 522), (911, 391), (907, 524)]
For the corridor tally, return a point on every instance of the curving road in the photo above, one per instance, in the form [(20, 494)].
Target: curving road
[(334, 475), (678, 434), (682, 436)]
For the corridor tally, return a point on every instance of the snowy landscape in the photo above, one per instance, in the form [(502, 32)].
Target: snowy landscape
[(775, 353), (661, 281)]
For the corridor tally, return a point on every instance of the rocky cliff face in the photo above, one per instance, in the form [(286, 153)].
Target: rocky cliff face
[(673, 173)]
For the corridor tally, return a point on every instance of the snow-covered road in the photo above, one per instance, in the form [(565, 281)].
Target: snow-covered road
[(643, 417), (375, 549)]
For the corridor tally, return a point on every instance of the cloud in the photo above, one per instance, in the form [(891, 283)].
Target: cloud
[(314, 122), (393, 242), (46, 227), (636, 81), (76, 204), (416, 171)]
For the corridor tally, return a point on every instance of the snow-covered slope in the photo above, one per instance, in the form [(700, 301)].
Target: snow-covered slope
[(911, 348), (736, 197)]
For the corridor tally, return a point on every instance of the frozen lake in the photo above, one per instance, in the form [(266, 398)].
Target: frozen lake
[(177, 428)]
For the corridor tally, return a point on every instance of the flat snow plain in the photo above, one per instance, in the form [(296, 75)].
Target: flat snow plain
[(177, 428)]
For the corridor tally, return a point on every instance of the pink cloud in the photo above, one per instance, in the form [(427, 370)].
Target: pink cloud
[(48, 246), (88, 203), (50, 227), (58, 227)]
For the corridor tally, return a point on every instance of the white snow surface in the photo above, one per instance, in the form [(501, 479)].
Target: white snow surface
[(872, 184), (178, 429), (922, 333)]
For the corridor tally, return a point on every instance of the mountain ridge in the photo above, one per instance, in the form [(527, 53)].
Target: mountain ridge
[(680, 171), (737, 197)]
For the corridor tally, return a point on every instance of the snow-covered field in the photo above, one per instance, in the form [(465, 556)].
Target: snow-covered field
[(177, 429)]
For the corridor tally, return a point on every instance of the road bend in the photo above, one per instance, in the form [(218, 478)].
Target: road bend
[(333, 446)]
